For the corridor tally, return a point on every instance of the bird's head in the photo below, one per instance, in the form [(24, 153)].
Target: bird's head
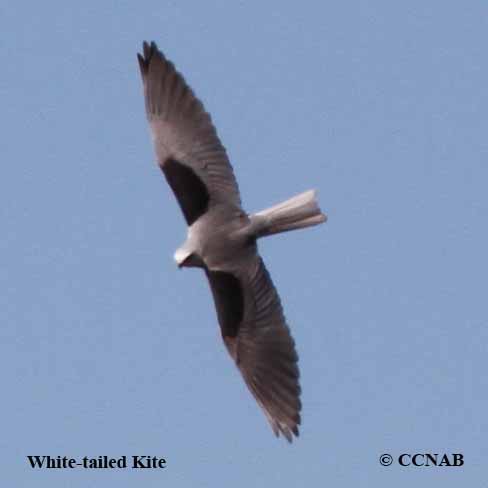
[(185, 257)]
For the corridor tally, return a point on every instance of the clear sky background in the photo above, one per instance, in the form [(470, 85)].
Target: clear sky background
[(108, 349)]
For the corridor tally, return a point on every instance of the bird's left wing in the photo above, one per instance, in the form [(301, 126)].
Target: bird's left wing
[(187, 146), (258, 339)]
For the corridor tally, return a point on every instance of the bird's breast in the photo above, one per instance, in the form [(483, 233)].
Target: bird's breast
[(222, 238)]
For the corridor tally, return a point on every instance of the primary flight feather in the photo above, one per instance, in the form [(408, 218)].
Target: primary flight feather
[(222, 239)]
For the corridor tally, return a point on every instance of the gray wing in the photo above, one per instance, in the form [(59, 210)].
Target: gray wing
[(187, 146), (258, 339)]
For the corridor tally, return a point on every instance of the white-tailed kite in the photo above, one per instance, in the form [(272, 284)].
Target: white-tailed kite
[(222, 239)]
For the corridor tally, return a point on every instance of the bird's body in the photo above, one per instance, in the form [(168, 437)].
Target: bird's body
[(222, 239), (231, 235)]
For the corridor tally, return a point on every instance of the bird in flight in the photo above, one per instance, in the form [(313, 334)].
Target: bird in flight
[(222, 239)]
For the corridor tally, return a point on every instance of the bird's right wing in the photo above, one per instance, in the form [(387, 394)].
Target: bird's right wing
[(187, 146), (258, 339)]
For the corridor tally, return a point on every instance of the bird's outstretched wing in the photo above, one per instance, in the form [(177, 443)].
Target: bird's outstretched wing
[(187, 146), (257, 337)]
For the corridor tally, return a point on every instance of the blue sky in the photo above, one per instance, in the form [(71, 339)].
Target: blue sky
[(108, 349)]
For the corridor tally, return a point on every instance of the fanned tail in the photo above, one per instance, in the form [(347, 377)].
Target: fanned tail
[(296, 213)]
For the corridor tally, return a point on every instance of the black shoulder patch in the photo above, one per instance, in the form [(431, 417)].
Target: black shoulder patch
[(189, 189), (229, 301)]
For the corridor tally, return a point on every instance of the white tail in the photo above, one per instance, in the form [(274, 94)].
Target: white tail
[(296, 213)]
